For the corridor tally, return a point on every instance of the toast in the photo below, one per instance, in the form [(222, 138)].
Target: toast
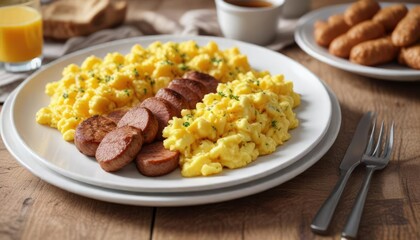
[(64, 19)]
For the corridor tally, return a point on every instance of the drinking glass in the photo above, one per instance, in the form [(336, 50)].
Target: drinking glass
[(20, 35)]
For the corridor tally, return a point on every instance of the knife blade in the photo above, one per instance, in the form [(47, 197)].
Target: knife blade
[(351, 160), (358, 144)]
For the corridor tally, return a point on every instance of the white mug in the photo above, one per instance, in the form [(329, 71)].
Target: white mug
[(251, 24), (295, 8)]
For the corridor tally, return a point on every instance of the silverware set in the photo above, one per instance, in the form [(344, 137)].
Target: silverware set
[(374, 153)]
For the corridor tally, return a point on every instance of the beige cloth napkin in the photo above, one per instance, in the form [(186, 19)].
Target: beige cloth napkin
[(194, 22)]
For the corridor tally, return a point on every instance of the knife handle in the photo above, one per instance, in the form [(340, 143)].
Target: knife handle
[(352, 225), (323, 217)]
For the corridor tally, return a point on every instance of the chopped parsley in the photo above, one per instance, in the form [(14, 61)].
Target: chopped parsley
[(274, 124), (135, 72), (91, 74), (221, 94), (231, 96), (216, 60), (184, 67), (65, 95), (186, 124), (167, 62), (108, 78)]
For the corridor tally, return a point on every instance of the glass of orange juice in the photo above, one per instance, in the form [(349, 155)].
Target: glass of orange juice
[(20, 35)]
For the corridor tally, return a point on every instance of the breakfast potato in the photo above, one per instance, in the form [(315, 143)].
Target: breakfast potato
[(390, 16), (325, 32), (374, 52), (410, 56), (407, 32), (361, 11), (364, 31)]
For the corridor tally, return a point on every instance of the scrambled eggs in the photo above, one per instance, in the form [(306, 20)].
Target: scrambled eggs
[(246, 118), (99, 86)]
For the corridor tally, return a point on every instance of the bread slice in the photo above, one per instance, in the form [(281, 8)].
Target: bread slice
[(64, 19)]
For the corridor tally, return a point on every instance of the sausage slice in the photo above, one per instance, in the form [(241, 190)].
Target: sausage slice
[(154, 160), (119, 147), (176, 99), (206, 79), (116, 115), (90, 133), (193, 85), (141, 118), (192, 97), (163, 110)]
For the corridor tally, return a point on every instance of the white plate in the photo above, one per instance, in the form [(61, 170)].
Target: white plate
[(305, 39), (167, 199), (48, 147)]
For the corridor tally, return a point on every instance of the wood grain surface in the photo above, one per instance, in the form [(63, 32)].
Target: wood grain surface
[(33, 209)]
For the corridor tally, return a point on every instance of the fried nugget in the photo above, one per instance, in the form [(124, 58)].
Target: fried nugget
[(374, 52), (360, 11), (390, 16), (407, 32), (415, 10), (367, 30), (410, 56), (325, 32)]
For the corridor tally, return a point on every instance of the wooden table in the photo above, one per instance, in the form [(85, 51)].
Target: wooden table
[(32, 209)]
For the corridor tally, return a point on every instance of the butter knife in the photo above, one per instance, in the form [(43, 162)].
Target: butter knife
[(351, 159)]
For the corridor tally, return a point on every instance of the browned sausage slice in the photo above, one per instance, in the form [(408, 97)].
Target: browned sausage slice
[(144, 119), (193, 85), (116, 115), (154, 160), (119, 147), (176, 99), (206, 79), (191, 96), (162, 109), (90, 133)]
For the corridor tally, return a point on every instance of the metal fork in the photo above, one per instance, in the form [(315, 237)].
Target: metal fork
[(375, 159)]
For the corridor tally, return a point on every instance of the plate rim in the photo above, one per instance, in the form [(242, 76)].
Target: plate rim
[(300, 37), (169, 189)]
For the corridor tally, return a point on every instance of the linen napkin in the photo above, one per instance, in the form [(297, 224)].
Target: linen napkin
[(194, 22)]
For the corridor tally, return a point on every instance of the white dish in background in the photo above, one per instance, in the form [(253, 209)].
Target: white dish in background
[(46, 145), (166, 199), (305, 39)]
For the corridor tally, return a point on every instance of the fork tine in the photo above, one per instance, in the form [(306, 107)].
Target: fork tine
[(376, 152), (389, 143), (371, 138)]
